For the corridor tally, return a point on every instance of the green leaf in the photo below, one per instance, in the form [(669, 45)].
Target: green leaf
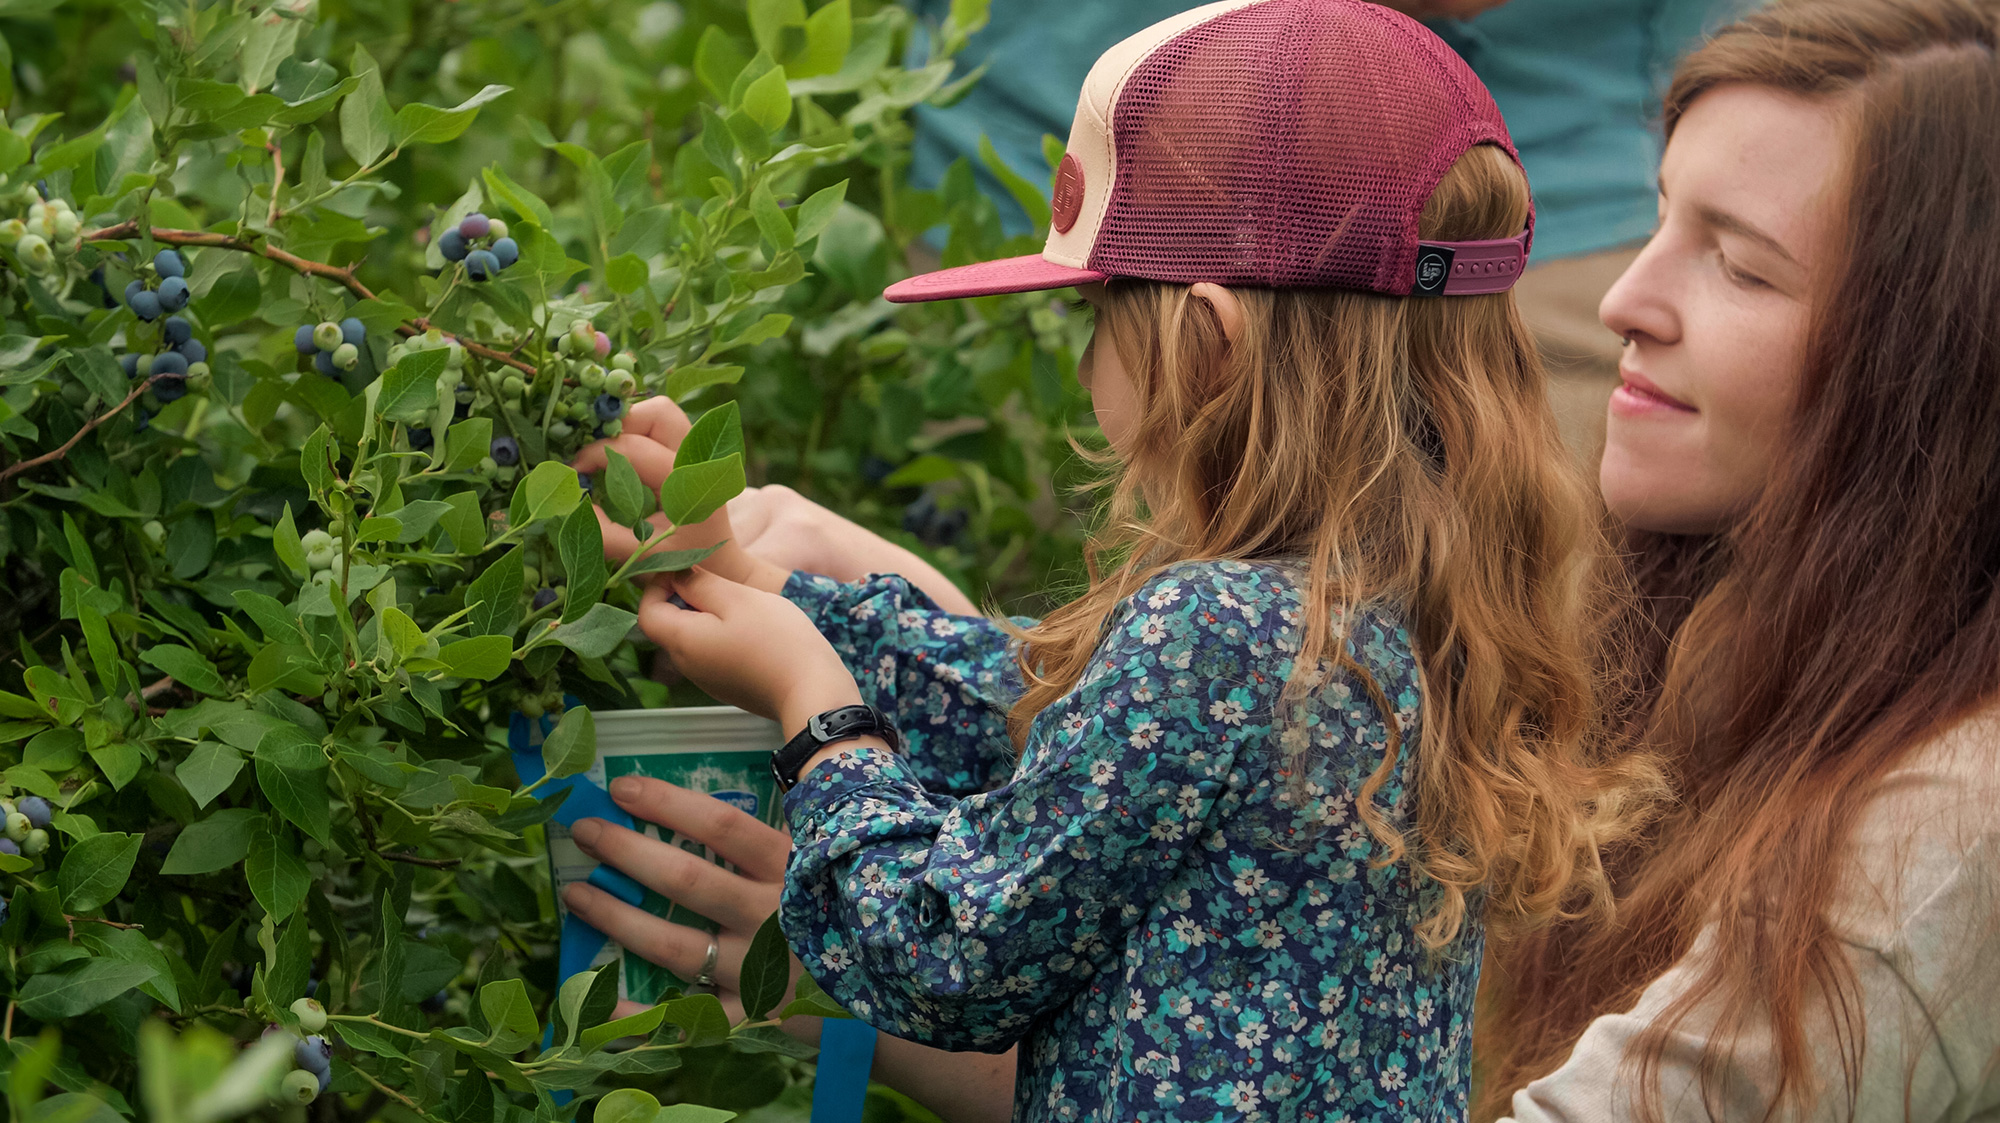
[(495, 597), (190, 544), (632, 1025), (581, 545), (718, 433), (52, 998), (763, 331), (553, 491), (214, 843), (288, 746), (481, 657), (683, 381), (691, 494), (286, 983), (829, 34), (626, 1105), (300, 795), (209, 769), (365, 120), (276, 873), (693, 1113), (503, 191), (317, 457), (418, 517), (233, 297), (718, 60), (95, 870), (771, 220), (812, 1002), (507, 1007), (700, 1018), (409, 390), (671, 561), (285, 543), (816, 212), (598, 634), (118, 760), (627, 273), (466, 523), (571, 747), (99, 371), (417, 123), (626, 498), (767, 970)]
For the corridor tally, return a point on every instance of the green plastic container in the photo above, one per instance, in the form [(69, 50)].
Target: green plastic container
[(720, 750)]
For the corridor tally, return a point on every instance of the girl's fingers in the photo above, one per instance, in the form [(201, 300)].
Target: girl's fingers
[(660, 418), (676, 947), (626, 1008), (678, 875), (759, 851), (708, 592), (651, 459)]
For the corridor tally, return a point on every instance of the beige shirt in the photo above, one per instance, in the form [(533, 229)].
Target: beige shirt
[(1921, 919)]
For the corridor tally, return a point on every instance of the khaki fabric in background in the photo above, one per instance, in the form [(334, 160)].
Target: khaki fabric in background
[(1559, 299)]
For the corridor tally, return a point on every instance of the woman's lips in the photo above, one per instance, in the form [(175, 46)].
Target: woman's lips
[(1637, 396)]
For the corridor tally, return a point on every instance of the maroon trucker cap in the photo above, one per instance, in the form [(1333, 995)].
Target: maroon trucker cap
[(1279, 143)]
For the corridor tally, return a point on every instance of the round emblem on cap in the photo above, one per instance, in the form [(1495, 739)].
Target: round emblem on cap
[(1068, 200)]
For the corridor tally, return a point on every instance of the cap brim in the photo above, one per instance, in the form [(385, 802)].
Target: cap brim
[(1032, 273)]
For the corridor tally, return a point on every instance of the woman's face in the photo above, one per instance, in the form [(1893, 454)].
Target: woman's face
[(1715, 308), (1112, 395)]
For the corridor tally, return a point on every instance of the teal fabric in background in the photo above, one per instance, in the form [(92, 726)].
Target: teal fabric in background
[(1578, 80)]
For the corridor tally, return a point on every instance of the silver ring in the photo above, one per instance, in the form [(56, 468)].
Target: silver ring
[(706, 976)]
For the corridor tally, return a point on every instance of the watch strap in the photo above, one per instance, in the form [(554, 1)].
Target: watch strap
[(831, 727)]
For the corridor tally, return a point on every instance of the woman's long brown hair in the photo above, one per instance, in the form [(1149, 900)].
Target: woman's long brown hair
[(1395, 449), (1785, 667)]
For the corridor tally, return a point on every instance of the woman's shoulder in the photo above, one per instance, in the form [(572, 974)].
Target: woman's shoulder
[(1929, 839), (1244, 588)]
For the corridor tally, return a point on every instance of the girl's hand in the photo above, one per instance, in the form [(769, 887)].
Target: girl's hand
[(746, 647), (739, 900)]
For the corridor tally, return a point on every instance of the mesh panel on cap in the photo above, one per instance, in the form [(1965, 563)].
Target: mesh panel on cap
[(1289, 143)]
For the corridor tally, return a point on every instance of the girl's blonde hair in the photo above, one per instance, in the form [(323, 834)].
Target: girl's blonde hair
[(1399, 449)]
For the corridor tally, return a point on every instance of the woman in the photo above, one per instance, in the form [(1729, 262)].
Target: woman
[(1806, 450)]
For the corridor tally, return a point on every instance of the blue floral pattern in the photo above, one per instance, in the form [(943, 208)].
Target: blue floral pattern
[(1169, 922)]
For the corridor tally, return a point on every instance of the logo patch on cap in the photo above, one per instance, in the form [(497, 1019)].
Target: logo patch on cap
[(1068, 201), (1433, 270)]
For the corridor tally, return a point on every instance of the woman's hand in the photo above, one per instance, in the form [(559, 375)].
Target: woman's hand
[(747, 647), (739, 901), (965, 1087)]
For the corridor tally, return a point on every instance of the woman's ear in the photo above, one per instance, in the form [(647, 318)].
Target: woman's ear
[(1228, 309)]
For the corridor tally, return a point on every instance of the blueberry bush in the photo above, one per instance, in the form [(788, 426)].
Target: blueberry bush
[(304, 309)]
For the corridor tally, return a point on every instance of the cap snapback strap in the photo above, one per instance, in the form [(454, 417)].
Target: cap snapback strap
[(1470, 268)]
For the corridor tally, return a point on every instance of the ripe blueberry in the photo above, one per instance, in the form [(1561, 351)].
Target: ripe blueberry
[(133, 288), (169, 363), (314, 1054), (323, 363), (505, 452), (482, 265), (129, 363), (303, 341), (168, 263), (146, 304), (193, 351), (9, 846), (452, 245), (173, 294), (171, 389), (608, 407), (507, 251), (353, 331), (475, 225), (176, 330), (421, 439)]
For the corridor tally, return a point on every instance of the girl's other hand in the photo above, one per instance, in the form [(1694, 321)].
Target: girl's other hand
[(746, 647)]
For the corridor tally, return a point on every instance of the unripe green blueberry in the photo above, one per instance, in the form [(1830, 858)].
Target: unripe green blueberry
[(154, 531), (347, 356), (18, 826), (12, 230), (561, 430), (620, 383), (433, 338), (326, 336), (198, 371), (315, 539), (489, 466), (592, 377), (397, 353), (513, 386), (506, 475), (495, 228), (37, 211), (321, 558), (35, 253), (36, 842), (530, 576), (625, 360), (311, 1015), (64, 225), (300, 1087), (454, 358), (613, 428)]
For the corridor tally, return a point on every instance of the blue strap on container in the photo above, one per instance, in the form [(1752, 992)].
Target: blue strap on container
[(840, 1085)]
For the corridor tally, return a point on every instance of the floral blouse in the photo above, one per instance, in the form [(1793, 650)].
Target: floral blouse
[(1141, 900)]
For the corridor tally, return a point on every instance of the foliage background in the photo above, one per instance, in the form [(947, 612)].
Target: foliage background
[(897, 417)]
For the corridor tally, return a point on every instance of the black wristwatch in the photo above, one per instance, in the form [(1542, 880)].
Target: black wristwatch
[(843, 724)]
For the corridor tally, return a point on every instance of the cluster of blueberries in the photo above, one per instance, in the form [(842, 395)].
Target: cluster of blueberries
[(150, 304), (181, 357), (332, 347), (313, 1054), (49, 223), (26, 826), (482, 262)]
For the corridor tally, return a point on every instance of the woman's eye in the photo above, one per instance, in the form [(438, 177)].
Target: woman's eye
[(1738, 276)]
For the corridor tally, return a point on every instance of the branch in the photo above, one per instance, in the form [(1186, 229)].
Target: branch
[(345, 278), (62, 450), (428, 863)]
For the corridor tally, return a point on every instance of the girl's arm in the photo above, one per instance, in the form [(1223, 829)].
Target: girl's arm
[(959, 923), (782, 527)]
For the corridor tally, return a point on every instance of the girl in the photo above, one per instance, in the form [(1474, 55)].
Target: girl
[(1319, 720), (1805, 452)]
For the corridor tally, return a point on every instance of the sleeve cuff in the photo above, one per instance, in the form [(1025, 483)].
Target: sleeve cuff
[(855, 769)]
